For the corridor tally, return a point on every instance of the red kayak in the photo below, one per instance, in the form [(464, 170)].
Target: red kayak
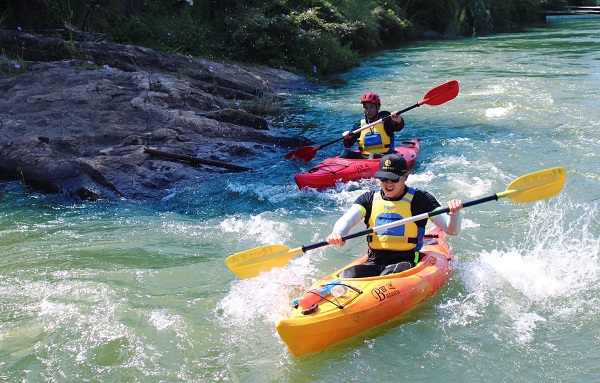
[(336, 169)]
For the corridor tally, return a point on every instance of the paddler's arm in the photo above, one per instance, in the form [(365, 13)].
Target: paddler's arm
[(349, 137), (354, 215), (397, 122), (450, 223)]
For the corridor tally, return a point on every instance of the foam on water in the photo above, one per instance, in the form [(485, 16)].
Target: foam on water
[(269, 193), (497, 112), (267, 297), (550, 275), (70, 319), (259, 229), (451, 177), (489, 90)]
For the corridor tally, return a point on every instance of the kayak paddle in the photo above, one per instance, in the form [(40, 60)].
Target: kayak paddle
[(436, 96), (528, 188)]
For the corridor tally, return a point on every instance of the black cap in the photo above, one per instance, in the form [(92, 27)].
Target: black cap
[(391, 166)]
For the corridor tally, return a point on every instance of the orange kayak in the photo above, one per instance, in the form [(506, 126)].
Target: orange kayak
[(333, 170), (336, 308)]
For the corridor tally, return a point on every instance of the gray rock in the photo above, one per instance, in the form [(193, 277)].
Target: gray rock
[(78, 119)]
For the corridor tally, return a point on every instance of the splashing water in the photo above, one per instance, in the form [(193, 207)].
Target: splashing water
[(259, 228), (266, 298), (551, 276)]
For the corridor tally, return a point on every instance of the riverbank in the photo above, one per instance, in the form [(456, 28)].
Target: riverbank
[(79, 126)]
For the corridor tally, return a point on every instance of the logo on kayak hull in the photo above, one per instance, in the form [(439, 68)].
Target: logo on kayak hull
[(388, 290), (362, 169)]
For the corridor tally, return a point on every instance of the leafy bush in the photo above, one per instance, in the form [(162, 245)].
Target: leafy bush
[(391, 27), (313, 37)]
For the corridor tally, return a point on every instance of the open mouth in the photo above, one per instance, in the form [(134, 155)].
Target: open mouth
[(389, 188)]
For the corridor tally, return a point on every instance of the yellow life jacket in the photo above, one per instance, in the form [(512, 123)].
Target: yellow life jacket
[(400, 238), (374, 139)]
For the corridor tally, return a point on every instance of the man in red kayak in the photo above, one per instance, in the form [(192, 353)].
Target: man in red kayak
[(395, 249), (377, 140)]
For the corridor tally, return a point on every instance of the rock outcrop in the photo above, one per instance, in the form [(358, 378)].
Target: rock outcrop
[(78, 119)]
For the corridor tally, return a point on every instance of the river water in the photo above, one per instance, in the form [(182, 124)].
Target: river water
[(122, 292)]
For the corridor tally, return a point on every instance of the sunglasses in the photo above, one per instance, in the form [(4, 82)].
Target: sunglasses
[(383, 179)]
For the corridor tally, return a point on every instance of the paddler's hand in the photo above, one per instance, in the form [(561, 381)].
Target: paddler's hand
[(455, 206), (397, 117), (346, 135), (335, 239)]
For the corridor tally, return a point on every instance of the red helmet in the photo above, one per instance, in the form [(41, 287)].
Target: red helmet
[(371, 97)]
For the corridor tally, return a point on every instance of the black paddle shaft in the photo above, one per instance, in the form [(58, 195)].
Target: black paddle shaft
[(493, 197), (382, 119)]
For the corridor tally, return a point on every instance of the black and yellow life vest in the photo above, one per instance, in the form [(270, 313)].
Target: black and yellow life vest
[(374, 139), (400, 238)]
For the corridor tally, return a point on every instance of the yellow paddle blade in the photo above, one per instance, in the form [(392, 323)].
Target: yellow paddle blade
[(536, 186), (250, 263)]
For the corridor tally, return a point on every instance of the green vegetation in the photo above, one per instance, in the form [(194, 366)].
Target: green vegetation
[(9, 67), (313, 37)]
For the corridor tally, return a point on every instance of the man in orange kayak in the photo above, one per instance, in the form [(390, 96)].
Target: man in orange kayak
[(394, 249), (377, 140)]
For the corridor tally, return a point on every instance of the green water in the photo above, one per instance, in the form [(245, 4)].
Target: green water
[(122, 292)]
